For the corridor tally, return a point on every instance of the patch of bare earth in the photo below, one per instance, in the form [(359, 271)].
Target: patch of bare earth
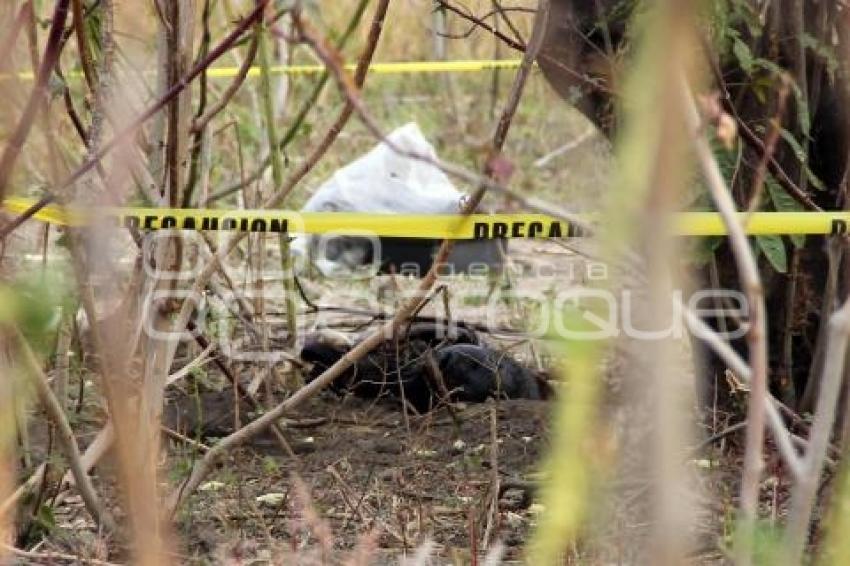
[(368, 468)]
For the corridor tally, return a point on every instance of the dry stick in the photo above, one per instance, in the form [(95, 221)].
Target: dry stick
[(502, 12), (134, 126), (277, 176), (202, 122), (37, 96), (94, 451), (774, 419), (184, 439), (82, 43), (36, 478), (65, 434), (52, 557), (299, 118), (756, 336), (276, 198), (203, 467), (833, 254), (495, 483), (803, 497), (199, 147)]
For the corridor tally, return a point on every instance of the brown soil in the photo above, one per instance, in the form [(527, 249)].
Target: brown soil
[(366, 468)]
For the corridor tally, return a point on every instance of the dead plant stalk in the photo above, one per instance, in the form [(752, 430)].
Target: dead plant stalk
[(65, 435), (756, 335), (131, 129), (805, 491)]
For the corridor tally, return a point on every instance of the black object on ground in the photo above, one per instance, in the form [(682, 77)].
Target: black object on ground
[(426, 367)]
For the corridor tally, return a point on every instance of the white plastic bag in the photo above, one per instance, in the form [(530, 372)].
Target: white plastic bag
[(381, 181), (385, 181)]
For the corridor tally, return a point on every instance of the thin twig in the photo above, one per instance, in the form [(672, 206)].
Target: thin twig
[(201, 122), (495, 479), (756, 335), (297, 121), (83, 44), (65, 434), (130, 130), (39, 93), (52, 557), (803, 496)]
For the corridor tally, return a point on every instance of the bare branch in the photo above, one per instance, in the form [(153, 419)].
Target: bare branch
[(66, 435), (37, 96), (757, 335), (803, 497), (134, 126)]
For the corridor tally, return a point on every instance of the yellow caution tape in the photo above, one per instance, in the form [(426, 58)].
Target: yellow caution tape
[(434, 226), (409, 67)]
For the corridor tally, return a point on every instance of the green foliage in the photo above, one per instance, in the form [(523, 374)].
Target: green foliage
[(35, 303), (802, 157), (742, 52), (782, 202), (270, 465), (42, 523), (825, 51), (735, 27), (725, 20), (774, 250)]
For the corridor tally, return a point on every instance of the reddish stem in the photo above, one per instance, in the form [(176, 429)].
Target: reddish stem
[(37, 96), (131, 130)]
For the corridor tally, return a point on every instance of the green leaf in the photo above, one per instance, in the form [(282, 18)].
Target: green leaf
[(802, 104), (743, 55), (774, 250), (824, 50), (45, 517), (799, 152), (802, 157), (783, 202)]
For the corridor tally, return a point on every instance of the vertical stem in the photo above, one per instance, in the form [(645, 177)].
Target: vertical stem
[(805, 492), (756, 336), (39, 92), (66, 435), (82, 43), (277, 176)]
